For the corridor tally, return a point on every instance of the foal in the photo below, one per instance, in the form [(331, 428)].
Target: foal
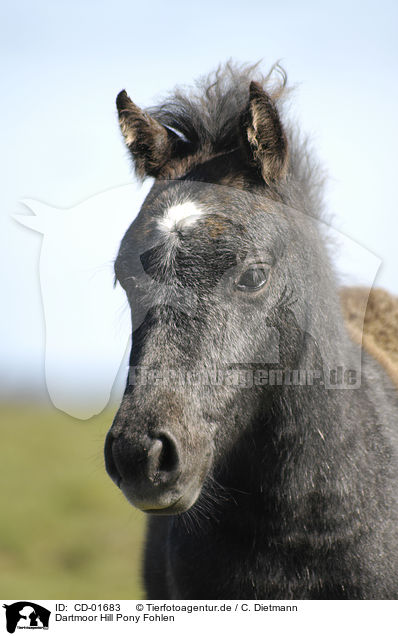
[(252, 431)]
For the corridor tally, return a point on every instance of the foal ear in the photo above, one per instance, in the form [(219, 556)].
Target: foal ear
[(264, 132), (149, 142)]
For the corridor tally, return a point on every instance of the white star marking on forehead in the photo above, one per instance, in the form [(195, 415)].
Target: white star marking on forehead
[(179, 216)]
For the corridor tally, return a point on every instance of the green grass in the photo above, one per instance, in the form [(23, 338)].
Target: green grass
[(66, 531)]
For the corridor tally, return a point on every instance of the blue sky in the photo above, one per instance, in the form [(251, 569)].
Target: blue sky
[(64, 63)]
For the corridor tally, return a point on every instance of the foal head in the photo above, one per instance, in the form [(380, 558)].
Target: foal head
[(216, 269)]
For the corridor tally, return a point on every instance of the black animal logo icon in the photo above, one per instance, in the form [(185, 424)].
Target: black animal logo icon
[(28, 613)]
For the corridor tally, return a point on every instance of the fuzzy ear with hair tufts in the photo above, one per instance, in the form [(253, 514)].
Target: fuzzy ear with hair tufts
[(264, 137), (151, 144)]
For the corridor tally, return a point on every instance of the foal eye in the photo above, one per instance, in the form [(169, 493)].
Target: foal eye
[(253, 278)]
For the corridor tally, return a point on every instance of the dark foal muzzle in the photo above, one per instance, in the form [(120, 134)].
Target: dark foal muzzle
[(152, 471)]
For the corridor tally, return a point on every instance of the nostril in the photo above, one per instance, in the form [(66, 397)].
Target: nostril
[(168, 459), (110, 463), (163, 457)]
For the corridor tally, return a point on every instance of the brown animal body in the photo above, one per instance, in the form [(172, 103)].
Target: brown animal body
[(371, 317)]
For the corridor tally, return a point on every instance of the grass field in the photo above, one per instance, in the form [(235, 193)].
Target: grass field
[(66, 531)]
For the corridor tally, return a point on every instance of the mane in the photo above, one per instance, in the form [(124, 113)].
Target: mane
[(209, 112), (208, 116)]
